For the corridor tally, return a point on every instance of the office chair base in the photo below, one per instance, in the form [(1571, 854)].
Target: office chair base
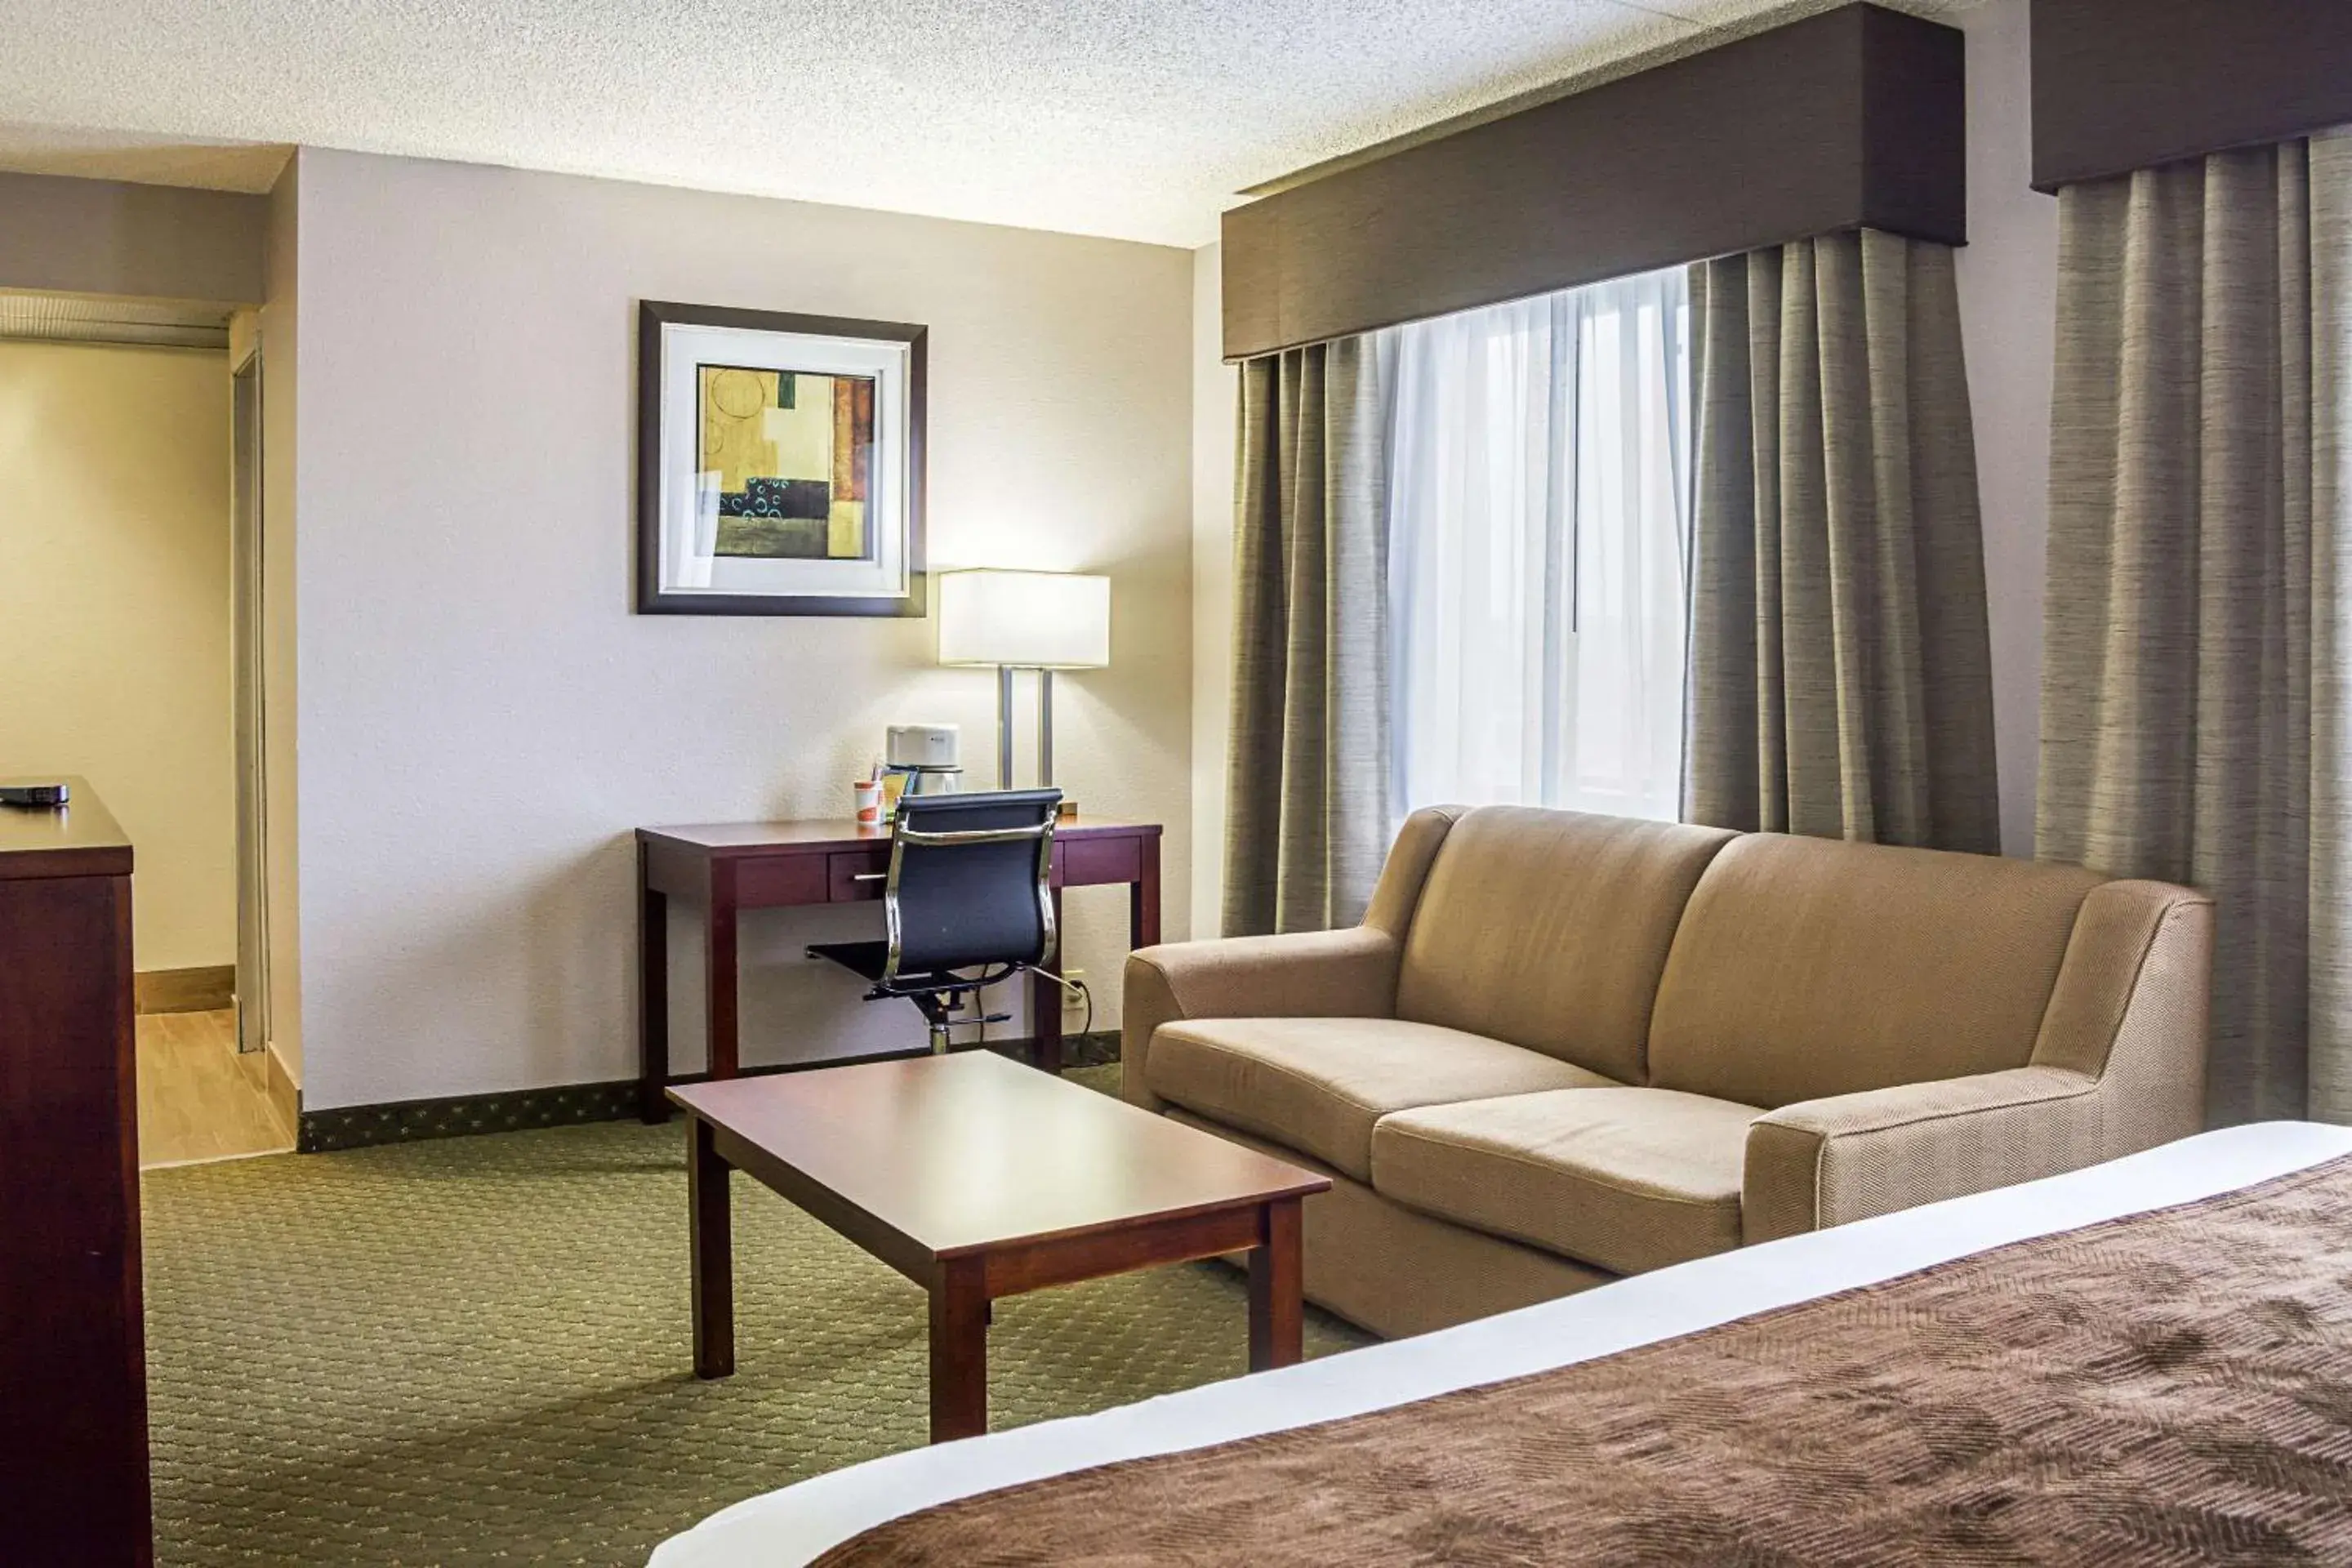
[(939, 1009), (939, 996)]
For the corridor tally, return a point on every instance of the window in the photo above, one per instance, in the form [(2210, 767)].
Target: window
[(1539, 552)]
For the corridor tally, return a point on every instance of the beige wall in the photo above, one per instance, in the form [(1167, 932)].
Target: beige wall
[(1216, 386), (483, 721), (114, 615), (2009, 310)]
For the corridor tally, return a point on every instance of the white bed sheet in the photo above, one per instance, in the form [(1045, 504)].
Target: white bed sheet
[(798, 1523)]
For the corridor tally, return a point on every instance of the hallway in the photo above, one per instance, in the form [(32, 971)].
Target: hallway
[(198, 1099)]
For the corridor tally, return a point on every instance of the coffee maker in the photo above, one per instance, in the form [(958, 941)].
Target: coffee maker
[(921, 759)]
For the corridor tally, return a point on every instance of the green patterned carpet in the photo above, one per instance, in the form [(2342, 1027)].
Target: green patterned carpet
[(475, 1350)]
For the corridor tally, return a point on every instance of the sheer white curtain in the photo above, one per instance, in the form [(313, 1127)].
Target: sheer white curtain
[(1539, 537)]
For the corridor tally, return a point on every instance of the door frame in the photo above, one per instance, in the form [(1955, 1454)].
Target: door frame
[(248, 555)]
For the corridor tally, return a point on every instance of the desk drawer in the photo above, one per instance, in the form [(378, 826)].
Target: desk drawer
[(845, 868), (771, 881), (1089, 862)]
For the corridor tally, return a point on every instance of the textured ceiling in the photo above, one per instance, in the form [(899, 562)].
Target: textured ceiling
[(1132, 118)]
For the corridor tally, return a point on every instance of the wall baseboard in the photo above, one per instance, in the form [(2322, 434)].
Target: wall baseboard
[(1098, 1050), (568, 1105), (205, 990), (457, 1116)]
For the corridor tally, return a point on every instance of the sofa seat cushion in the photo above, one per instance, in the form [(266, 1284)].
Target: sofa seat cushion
[(1318, 1085), (1626, 1179)]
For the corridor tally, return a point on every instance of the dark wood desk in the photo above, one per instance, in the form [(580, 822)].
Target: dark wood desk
[(977, 1178), (732, 866), (73, 1372)]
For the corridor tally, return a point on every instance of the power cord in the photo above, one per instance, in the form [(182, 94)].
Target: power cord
[(1079, 989)]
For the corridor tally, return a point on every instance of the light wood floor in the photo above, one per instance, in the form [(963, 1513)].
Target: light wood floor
[(198, 1099)]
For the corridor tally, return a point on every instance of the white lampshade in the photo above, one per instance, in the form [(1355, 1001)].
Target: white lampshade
[(1029, 620)]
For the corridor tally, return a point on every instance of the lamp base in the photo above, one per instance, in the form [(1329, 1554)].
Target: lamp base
[(1044, 734)]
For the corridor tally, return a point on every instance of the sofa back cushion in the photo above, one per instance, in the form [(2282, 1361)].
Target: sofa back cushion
[(1806, 968), (1549, 928)]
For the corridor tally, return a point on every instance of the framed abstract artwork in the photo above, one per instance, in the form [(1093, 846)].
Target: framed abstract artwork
[(780, 464)]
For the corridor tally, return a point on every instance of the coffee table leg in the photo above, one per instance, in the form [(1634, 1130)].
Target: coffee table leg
[(959, 1352), (710, 1225), (1277, 1324)]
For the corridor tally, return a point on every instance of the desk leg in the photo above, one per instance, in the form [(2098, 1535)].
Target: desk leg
[(1046, 1005), (653, 997), (959, 1352), (718, 965), (1143, 898), (710, 1226), (1278, 1315)]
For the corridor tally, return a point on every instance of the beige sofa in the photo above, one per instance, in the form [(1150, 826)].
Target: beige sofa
[(1562, 1048)]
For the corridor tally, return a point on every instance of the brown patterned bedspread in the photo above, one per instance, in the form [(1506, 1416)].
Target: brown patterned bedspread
[(2171, 1388)]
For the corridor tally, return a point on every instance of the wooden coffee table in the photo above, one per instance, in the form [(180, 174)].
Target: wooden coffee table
[(976, 1178)]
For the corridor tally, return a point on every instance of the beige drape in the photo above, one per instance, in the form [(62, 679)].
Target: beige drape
[(1840, 677), (1308, 792), (2195, 675)]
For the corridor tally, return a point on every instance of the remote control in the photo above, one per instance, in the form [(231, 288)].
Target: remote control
[(48, 795)]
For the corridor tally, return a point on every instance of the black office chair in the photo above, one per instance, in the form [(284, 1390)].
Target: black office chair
[(967, 903)]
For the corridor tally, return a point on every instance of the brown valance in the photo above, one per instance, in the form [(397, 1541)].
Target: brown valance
[(1854, 119), (2122, 85)]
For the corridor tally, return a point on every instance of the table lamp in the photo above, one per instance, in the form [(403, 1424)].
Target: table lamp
[(1042, 621)]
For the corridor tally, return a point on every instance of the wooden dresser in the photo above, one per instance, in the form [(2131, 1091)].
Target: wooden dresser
[(73, 1378)]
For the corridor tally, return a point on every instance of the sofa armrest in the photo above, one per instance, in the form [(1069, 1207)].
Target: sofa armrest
[(1829, 1162), (2131, 1009), (1311, 974)]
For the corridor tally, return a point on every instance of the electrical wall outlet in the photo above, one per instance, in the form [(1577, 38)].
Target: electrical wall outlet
[(1071, 1001)]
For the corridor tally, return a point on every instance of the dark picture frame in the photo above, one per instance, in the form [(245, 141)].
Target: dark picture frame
[(653, 598)]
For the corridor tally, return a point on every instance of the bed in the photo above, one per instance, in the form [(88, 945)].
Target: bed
[(801, 1523)]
